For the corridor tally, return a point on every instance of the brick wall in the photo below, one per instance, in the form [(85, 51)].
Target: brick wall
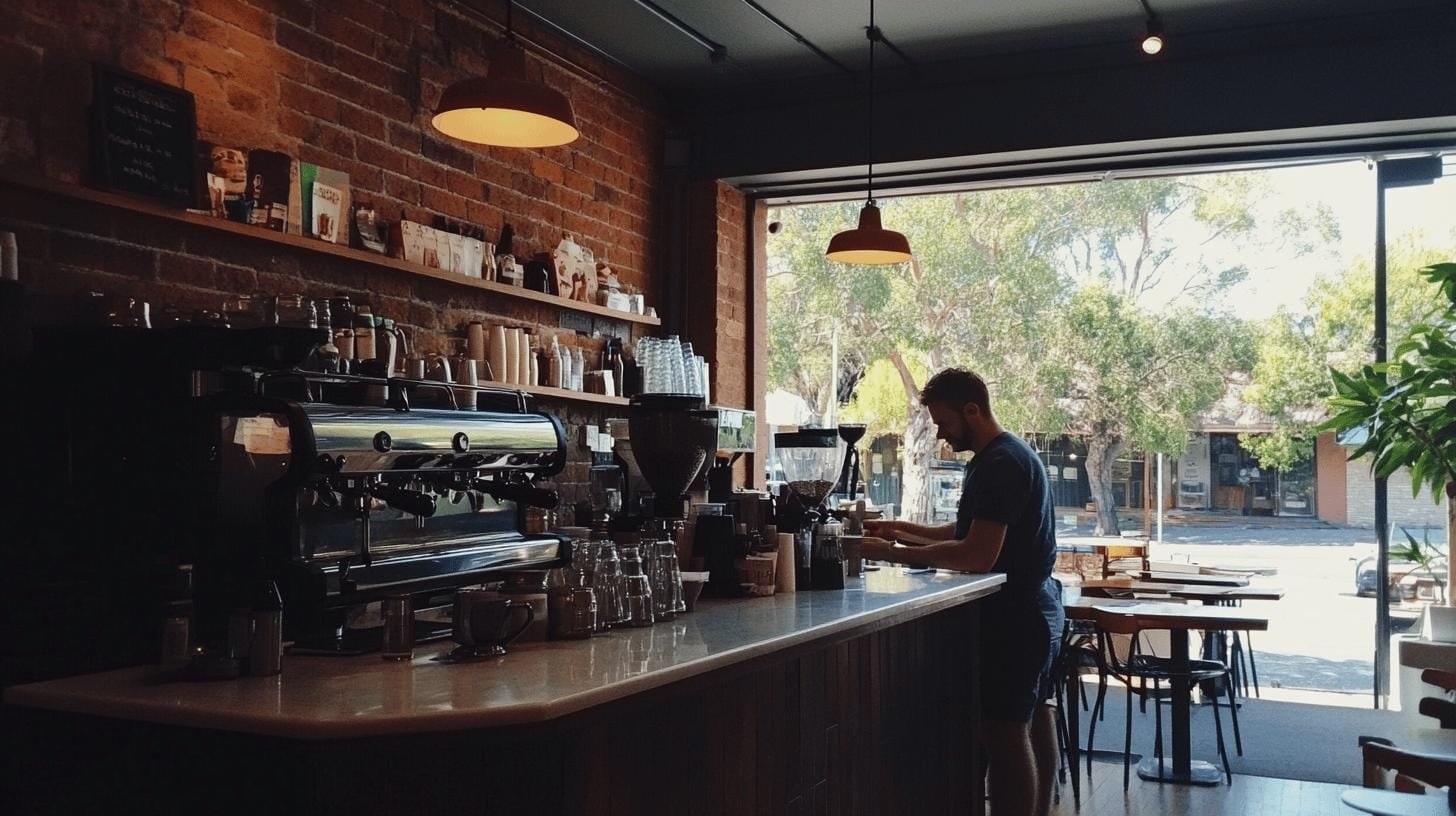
[(348, 84), (1404, 510)]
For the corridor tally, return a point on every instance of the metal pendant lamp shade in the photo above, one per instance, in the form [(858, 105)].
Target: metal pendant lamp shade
[(869, 243), (505, 109)]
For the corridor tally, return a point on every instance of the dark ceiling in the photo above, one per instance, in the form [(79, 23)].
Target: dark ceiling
[(756, 50)]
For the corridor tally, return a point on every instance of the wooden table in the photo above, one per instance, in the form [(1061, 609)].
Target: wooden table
[(1198, 592), (1395, 803), (1191, 578), (1102, 544), (1178, 619)]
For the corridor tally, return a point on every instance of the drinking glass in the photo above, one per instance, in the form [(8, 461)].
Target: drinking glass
[(639, 608), (607, 585), (690, 371)]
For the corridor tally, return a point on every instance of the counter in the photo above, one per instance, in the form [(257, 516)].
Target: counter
[(824, 699)]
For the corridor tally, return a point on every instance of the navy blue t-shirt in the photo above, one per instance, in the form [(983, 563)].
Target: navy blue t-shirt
[(1007, 482)]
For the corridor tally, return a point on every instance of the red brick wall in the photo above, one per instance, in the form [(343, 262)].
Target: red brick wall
[(717, 288), (348, 84)]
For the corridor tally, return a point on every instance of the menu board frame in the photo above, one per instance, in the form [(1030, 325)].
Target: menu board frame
[(174, 176)]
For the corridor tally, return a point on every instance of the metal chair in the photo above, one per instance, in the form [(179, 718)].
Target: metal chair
[(1146, 668)]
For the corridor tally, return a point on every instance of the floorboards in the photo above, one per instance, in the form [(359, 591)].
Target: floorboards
[(1247, 796)]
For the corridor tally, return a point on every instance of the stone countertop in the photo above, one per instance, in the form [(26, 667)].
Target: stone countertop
[(339, 697)]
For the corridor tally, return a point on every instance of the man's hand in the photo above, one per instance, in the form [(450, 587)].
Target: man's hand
[(878, 549), (884, 528)]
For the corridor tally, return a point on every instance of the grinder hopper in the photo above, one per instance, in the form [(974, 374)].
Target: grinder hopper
[(672, 441)]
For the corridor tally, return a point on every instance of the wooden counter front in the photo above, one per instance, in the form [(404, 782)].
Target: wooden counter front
[(859, 701)]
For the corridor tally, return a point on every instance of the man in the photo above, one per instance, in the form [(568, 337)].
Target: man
[(1004, 524)]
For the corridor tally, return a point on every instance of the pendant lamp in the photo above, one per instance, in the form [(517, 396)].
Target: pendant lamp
[(870, 242), (506, 108)]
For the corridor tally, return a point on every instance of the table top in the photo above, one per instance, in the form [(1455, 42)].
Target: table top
[(1194, 592), (1101, 542), (1156, 615), (1191, 578), (320, 697), (1395, 803)]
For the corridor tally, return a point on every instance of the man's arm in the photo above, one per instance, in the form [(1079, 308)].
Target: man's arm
[(977, 552), (913, 535)]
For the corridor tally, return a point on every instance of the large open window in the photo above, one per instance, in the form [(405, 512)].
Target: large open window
[(1181, 325)]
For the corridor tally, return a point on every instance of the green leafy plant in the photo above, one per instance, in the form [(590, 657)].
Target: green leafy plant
[(1424, 555), (1407, 406)]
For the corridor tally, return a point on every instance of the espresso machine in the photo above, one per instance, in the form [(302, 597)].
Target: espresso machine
[(344, 503), (197, 462)]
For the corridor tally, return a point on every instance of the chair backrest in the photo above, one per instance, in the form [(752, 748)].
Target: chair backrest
[(1440, 677), (1444, 711), (1414, 772)]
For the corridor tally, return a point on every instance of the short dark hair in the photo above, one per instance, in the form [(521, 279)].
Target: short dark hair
[(957, 387)]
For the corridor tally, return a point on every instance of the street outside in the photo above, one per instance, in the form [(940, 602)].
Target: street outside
[(1321, 636)]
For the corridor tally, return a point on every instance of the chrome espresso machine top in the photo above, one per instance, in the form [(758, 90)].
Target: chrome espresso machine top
[(150, 465), (344, 492)]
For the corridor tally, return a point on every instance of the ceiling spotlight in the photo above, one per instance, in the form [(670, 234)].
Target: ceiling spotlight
[(1153, 42)]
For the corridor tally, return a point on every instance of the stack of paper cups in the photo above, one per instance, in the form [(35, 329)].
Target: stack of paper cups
[(475, 341), (513, 356), (784, 571), (524, 367), (496, 354)]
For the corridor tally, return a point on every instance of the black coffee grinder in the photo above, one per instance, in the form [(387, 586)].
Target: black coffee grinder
[(850, 476), (810, 458)]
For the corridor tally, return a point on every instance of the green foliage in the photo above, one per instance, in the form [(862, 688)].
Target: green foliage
[(1407, 406), (1139, 378), (880, 401), (1423, 554), (1290, 378)]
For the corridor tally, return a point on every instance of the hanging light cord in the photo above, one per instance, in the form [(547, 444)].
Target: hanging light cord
[(510, 29), (872, 33)]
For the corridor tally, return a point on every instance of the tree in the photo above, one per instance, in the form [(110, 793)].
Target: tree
[(1291, 381), (976, 294), (991, 288), (1164, 246), (1138, 380)]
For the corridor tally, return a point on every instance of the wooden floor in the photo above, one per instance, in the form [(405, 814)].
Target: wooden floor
[(1248, 796)]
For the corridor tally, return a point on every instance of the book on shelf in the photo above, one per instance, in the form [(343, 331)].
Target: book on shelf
[(318, 201)]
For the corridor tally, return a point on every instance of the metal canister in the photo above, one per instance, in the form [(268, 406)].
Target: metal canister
[(399, 628), (265, 652)]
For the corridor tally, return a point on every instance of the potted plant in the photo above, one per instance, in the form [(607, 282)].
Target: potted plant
[(1407, 406)]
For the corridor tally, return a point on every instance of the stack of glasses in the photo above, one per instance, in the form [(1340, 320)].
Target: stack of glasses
[(670, 367)]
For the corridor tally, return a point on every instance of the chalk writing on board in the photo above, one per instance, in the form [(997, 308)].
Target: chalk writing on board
[(143, 135)]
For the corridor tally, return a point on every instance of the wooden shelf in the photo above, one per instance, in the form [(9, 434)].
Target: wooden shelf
[(301, 243), (546, 392)]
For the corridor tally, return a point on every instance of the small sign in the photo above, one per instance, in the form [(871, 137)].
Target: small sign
[(576, 321), (143, 136)]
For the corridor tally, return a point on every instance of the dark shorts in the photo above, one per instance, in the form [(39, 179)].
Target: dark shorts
[(1021, 633)]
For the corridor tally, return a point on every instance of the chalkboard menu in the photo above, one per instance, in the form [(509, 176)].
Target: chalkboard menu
[(142, 135)]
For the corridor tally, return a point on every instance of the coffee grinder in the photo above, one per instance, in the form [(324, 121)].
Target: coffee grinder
[(810, 458), (849, 477), (672, 439)]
